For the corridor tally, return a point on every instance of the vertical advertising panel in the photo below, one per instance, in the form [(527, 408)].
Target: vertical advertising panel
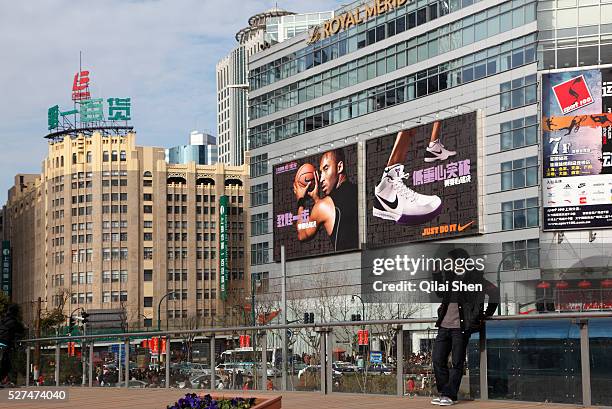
[(316, 204), (577, 149), (6, 267), (422, 183), (223, 208)]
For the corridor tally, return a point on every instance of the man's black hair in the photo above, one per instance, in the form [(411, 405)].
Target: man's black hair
[(338, 154)]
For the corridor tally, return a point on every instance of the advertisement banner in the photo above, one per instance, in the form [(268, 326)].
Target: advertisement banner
[(422, 183), (577, 149), (315, 204), (223, 272), (6, 267)]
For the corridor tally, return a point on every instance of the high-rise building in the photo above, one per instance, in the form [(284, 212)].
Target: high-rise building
[(109, 224), (264, 30), (496, 96), (202, 150)]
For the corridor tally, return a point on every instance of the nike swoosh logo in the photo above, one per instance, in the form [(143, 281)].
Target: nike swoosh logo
[(391, 205), (465, 226)]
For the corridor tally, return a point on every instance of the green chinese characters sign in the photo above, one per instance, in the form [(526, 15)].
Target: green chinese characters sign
[(6, 267), (223, 275), (92, 110)]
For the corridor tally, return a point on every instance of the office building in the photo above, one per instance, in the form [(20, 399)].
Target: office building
[(109, 224), (264, 30), (495, 70)]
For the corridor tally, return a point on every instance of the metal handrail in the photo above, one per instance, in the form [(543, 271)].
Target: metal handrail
[(321, 326)]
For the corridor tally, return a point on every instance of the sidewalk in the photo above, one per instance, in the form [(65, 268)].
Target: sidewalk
[(118, 398)]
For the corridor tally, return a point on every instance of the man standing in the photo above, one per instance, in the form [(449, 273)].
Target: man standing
[(459, 315), (336, 210), (11, 329)]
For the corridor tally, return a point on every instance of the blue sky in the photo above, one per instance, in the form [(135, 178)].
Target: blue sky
[(161, 53)]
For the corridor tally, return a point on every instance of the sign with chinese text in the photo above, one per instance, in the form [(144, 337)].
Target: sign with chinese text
[(223, 252), (86, 110), (422, 182), (577, 149), (7, 267)]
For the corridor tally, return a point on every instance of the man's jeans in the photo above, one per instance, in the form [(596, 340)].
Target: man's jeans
[(449, 341)]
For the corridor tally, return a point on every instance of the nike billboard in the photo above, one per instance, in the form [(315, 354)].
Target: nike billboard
[(316, 204), (422, 183), (577, 149)]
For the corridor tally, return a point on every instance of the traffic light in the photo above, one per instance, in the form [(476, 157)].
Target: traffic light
[(71, 324), (84, 317), (355, 317), (308, 318)]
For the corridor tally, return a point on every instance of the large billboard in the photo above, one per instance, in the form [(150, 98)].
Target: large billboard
[(577, 149), (316, 204), (422, 183)]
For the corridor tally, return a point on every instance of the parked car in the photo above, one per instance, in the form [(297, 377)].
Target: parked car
[(315, 370), (379, 369), (344, 367)]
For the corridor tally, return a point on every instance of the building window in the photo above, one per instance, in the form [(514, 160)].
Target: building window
[(105, 156), (148, 224), (106, 276), (519, 214), (259, 194), (106, 297), (518, 133), (148, 253), (521, 254), (148, 275), (259, 253), (148, 302), (148, 236), (259, 224), (148, 322), (123, 156), (519, 173), (259, 165), (147, 197), (518, 93)]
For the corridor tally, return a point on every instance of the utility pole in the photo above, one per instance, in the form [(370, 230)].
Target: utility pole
[(37, 335)]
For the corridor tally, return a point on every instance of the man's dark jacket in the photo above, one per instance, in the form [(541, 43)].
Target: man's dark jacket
[(471, 304)]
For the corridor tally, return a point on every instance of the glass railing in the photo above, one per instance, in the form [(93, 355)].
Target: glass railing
[(561, 358)]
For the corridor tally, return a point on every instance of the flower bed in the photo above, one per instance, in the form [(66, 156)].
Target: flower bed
[(193, 401)]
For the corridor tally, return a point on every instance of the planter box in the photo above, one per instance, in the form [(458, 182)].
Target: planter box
[(261, 402)]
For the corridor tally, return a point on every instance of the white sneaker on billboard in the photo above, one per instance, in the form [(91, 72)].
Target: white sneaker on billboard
[(436, 151), (393, 200)]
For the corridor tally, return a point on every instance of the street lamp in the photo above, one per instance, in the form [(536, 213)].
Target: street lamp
[(499, 311), (363, 317), (159, 309)]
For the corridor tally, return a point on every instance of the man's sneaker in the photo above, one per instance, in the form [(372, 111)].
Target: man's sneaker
[(446, 401), (435, 401), (436, 151), (393, 200)]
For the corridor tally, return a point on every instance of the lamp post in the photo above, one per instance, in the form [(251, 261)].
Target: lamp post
[(363, 317), (499, 266), (159, 309)]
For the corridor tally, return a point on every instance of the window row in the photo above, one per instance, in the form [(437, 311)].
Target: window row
[(355, 38), (82, 278), (441, 40), (114, 182), (81, 298), (115, 276), (520, 255), (114, 254), (114, 296), (491, 61), (113, 157), (518, 92), (259, 224), (259, 253)]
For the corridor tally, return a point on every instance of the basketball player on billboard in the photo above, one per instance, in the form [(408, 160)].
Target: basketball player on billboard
[(395, 201), (335, 201)]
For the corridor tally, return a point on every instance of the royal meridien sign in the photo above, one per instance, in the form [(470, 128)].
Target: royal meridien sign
[(354, 17)]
